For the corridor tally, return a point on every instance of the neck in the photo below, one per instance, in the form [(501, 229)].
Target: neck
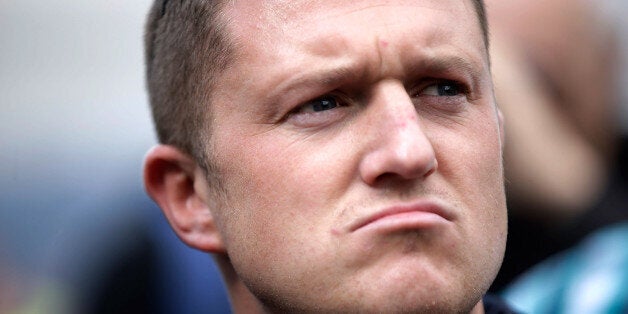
[(242, 300), (478, 309)]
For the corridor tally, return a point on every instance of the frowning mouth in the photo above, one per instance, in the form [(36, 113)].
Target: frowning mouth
[(418, 215)]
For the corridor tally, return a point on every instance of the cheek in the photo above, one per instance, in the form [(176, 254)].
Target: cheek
[(281, 200), (253, 218), (472, 165), (280, 191), (471, 160)]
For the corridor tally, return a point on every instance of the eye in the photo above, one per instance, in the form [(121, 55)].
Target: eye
[(319, 112), (319, 104), (443, 89), (444, 96)]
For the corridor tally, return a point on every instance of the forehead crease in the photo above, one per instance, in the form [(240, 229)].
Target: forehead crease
[(329, 40), (255, 33), (271, 17), (287, 13)]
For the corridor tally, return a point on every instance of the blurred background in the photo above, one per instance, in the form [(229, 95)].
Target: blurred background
[(77, 232), (74, 126)]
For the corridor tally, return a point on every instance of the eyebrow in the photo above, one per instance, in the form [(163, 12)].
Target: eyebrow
[(449, 65), (328, 78), (325, 78), (318, 80), (425, 65), (299, 85), (446, 64)]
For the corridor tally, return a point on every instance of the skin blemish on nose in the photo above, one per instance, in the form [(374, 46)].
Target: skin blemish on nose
[(410, 119), (384, 43)]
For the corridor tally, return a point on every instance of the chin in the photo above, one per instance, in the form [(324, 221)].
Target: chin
[(404, 293), (423, 298)]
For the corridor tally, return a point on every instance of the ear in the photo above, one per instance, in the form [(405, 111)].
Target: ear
[(178, 185)]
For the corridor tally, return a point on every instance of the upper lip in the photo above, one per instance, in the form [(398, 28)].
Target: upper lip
[(422, 206)]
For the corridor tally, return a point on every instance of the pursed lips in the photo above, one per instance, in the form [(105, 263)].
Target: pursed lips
[(426, 208)]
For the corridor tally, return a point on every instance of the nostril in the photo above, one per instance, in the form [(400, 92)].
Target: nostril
[(393, 180), (385, 165), (432, 169)]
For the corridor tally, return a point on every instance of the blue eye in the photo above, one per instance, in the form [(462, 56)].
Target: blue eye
[(323, 103), (443, 89), (319, 112), (448, 89)]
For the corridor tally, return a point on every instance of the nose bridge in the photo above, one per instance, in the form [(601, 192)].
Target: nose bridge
[(399, 145), (404, 122), (397, 116)]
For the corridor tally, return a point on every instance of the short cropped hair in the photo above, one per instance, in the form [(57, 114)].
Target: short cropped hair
[(186, 49)]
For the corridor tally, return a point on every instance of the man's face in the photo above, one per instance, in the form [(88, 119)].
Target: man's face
[(359, 146)]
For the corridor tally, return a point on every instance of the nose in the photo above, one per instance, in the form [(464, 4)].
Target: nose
[(398, 146)]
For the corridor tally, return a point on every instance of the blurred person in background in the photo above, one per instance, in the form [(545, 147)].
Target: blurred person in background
[(555, 69)]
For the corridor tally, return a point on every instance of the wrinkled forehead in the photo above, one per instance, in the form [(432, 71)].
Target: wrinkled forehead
[(284, 13), (260, 23)]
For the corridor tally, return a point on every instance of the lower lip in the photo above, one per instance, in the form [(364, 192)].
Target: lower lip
[(413, 220)]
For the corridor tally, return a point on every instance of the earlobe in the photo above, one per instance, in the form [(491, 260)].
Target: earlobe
[(178, 185)]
